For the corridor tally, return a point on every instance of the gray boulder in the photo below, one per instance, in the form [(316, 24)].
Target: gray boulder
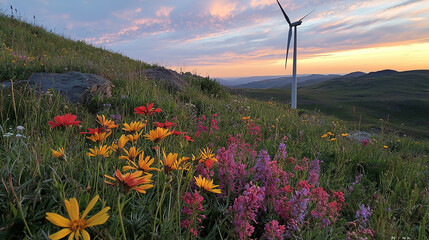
[(360, 136), (175, 79), (76, 86)]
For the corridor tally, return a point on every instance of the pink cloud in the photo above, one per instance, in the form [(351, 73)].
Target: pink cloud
[(222, 9), (164, 11)]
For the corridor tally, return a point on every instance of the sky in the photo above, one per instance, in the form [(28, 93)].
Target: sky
[(238, 38)]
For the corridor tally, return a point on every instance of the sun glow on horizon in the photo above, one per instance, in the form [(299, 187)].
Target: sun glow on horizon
[(401, 58)]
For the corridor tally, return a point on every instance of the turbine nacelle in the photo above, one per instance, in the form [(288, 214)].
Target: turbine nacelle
[(296, 23)]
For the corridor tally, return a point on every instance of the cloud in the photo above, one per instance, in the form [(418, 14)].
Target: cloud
[(164, 11), (222, 9)]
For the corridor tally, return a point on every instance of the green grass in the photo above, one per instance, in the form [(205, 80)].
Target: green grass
[(33, 182)]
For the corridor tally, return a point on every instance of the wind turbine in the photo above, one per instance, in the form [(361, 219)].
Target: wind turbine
[(292, 25)]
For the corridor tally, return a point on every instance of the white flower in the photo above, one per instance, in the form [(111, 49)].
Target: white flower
[(19, 135), (20, 128), (8, 134)]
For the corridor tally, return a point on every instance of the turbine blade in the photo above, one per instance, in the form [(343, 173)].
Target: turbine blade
[(287, 18), (288, 44), (305, 16)]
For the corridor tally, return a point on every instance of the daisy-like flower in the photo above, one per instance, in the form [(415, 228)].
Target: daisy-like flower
[(344, 134), (207, 157), (135, 137), (143, 164), (157, 135), (106, 124), (75, 226), (146, 110), (324, 135), (131, 181), (333, 139), (64, 121), (92, 131), (169, 162), (58, 154), (131, 153), (182, 164), (102, 150), (133, 126), (206, 184), (120, 146), (96, 137), (330, 134), (166, 125)]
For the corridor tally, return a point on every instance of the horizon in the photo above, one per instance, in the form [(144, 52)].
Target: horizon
[(235, 38)]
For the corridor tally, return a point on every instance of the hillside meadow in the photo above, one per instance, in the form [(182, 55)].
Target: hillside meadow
[(153, 162)]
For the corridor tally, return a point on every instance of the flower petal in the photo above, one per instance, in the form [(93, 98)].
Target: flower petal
[(74, 215), (90, 206), (57, 219), (60, 234), (98, 218), (85, 235)]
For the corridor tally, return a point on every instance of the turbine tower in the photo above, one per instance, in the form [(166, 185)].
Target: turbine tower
[(292, 25)]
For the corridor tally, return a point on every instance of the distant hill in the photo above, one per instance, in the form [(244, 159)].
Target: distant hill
[(242, 80), (401, 97), (285, 82)]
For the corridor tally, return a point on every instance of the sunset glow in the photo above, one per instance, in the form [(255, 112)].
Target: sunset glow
[(234, 38)]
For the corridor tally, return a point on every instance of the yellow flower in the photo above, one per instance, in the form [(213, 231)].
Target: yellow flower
[(330, 134), (157, 135), (59, 154), (385, 146), (121, 144), (99, 137), (75, 226), (106, 125), (103, 150), (206, 184), (182, 164), (133, 127), (324, 135), (169, 162), (207, 157), (131, 181), (135, 137), (131, 154), (245, 118), (344, 134), (143, 164), (333, 139)]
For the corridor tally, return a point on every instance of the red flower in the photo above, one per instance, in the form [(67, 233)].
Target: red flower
[(92, 131), (64, 121), (166, 125), (174, 132), (189, 139), (146, 109)]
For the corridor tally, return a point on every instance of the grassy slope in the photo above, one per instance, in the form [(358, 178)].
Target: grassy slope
[(33, 182), (402, 98)]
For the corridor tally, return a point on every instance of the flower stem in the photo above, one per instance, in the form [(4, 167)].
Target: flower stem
[(120, 216), (157, 210)]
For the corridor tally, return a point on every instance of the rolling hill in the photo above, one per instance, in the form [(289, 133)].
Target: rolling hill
[(285, 82), (401, 98)]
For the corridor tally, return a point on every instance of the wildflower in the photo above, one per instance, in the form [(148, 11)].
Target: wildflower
[(121, 144), (330, 134), (245, 118), (344, 134), (365, 142), (206, 184), (20, 128), (166, 125), (169, 162), (96, 137), (135, 137), (193, 210), (174, 132), (75, 226), (131, 153), (189, 139), (131, 181), (64, 121), (333, 139), (106, 124), (92, 131), (273, 231), (385, 146), (182, 164), (157, 135), (102, 150), (324, 135), (146, 110), (207, 157), (143, 164), (133, 127), (58, 154)]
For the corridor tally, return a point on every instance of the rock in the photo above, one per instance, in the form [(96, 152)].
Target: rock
[(76, 86), (360, 136), (175, 79)]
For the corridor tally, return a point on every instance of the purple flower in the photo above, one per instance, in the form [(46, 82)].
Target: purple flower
[(273, 231), (363, 214), (313, 177), (193, 211)]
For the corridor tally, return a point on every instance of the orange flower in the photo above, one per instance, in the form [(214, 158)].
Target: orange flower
[(131, 154), (99, 151), (207, 157), (99, 137), (131, 181), (121, 144), (64, 121), (143, 164), (106, 125), (157, 135), (133, 126), (206, 184)]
